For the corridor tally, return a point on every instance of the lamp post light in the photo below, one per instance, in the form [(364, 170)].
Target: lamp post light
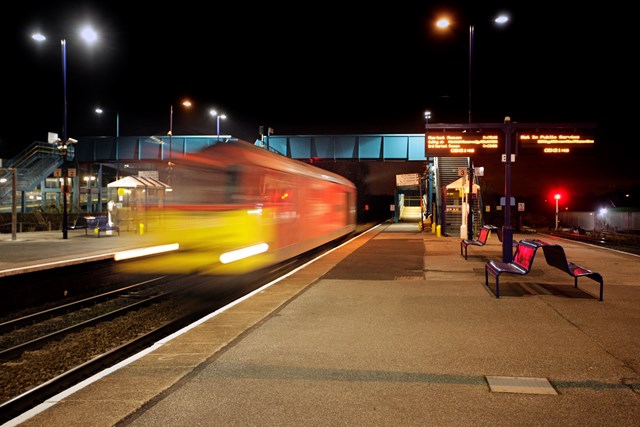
[(89, 35), (215, 114), (187, 104), (557, 197), (101, 111), (445, 23)]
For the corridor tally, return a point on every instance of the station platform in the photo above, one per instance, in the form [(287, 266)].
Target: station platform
[(394, 327)]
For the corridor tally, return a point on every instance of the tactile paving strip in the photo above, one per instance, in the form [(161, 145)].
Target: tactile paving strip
[(520, 385)]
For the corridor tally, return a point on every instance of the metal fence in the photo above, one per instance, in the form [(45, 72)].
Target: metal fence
[(615, 219)]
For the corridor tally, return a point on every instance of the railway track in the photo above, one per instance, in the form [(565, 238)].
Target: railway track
[(48, 351), (39, 367), (35, 330), (79, 365)]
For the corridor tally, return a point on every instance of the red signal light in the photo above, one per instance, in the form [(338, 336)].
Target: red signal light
[(558, 194)]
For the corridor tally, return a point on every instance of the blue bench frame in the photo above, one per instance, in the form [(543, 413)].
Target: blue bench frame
[(80, 224), (556, 257), (100, 224), (483, 235), (521, 264), (523, 260)]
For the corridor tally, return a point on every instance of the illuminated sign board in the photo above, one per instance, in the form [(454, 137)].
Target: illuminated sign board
[(555, 142), (462, 143), (408, 179)]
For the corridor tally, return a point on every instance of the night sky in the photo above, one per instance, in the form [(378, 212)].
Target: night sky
[(329, 68)]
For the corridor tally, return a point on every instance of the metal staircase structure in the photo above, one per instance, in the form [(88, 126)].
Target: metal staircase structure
[(450, 201), (33, 165)]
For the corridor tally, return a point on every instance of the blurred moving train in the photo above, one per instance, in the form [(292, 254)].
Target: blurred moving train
[(235, 208)]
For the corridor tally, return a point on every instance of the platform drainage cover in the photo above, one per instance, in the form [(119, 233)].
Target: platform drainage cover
[(520, 385), (409, 278)]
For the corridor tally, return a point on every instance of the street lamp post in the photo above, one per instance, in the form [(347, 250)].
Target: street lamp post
[(65, 170), (500, 20), (186, 103), (100, 111), (90, 36), (471, 32), (557, 197), (215, 114), (444, 23), (427, 116), (170, 136)]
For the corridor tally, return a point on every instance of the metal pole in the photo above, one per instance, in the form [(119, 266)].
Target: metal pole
[(170, 134), (556, 212), (117, 148), (170, 144), (427, 116), (65, 172), (218, 128), (471, 31), (63, 44), (470, 230), (507, 231), (14, 202)]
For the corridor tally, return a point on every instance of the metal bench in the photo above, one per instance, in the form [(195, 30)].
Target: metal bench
[(556, 257), (79, 224), (483, 234), (498, 231), (521, 264), (100, 224)]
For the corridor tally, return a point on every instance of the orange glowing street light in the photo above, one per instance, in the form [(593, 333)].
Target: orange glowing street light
[(187, 104)]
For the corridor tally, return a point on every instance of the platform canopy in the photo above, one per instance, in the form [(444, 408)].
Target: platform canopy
[(138, 182), (463, 183)]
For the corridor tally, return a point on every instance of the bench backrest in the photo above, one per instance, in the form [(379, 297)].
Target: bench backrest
[(555, 257), (483, 235), (524, 255)]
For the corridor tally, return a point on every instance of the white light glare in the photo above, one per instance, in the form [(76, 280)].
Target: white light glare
[(442, 23), (89, 34), (135, 253), (239, 254)]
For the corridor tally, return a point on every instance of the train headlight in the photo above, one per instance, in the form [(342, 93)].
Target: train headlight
[(243, 253)]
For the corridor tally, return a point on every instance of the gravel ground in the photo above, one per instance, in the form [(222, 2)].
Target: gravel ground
[(36, 367)]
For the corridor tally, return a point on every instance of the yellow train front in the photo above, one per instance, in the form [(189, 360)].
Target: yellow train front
[(236, 208)]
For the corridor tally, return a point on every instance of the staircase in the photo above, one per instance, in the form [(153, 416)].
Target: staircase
[(33, 165), (447, 172), (411, 214)]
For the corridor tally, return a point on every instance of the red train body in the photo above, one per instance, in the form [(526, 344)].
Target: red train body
[(235, 207)]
